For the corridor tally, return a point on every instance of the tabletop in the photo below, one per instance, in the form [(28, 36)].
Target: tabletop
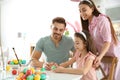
[(62, 76), (50, 76)]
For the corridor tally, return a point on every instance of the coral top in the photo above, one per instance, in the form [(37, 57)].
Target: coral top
[(91, 75)]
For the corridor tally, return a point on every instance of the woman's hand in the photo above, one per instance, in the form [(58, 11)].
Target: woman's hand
[(97, 61), (104, 49)]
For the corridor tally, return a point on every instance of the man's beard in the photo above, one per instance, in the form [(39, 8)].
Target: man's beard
[(56, 36)]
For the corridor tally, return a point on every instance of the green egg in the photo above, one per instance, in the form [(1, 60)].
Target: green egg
[(11, 63), (53, 67), (30, 77), (25, 70), (43, 69)]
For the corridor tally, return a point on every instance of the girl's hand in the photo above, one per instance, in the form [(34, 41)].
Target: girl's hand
[(97, 61), (49, 65), (59, 69)]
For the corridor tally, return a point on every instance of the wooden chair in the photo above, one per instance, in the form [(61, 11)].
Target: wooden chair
[(109, 60)]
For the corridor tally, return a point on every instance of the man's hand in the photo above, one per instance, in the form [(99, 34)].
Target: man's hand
[(36, 63)]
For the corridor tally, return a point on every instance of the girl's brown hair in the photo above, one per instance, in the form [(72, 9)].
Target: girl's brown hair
[(96, 13), (87, 40)]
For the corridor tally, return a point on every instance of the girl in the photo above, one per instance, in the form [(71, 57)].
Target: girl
[(102, 32), (84, 57)]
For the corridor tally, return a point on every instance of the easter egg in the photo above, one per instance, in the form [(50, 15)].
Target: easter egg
[(38, 72), (33, 70), (23, 77), (23, 61), (14, 72), (18, 78), (37, 77), (8, 68), (11, 63), (21, 74), (53, 67), (43, 69), (15, 61), (43, 76), (30, 77), (33, 75), (25, 70), (20, 61), (29, 72)]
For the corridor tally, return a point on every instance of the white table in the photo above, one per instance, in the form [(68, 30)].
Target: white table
[(7, 76), (62, 76), (50, 76)]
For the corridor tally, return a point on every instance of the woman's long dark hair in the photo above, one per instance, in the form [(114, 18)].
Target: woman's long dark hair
[(88, 41), (96, 13)]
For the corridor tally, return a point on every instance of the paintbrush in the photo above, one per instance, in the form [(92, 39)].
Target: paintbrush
[(16, 57)]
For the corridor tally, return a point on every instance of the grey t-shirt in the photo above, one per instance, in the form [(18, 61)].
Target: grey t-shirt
[(55, 54)]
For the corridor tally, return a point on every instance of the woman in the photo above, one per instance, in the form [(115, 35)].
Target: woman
[(102, 31)]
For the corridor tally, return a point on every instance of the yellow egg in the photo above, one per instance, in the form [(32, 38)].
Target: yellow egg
[(33, 70), (8, 68), (16, 61), (37, 77)]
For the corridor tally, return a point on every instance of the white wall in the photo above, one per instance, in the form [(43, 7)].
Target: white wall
[(0, 25), (32, 18)]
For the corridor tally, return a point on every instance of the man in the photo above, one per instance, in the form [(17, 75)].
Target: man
[(56, 46)]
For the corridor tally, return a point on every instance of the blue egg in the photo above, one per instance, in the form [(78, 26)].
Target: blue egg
[(43, 76), (23, 61), (33, 75)]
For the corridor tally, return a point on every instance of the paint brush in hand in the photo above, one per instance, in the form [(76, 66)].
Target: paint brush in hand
[(16, 57)]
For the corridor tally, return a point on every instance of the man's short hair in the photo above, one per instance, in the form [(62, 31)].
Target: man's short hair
[(59, 20)]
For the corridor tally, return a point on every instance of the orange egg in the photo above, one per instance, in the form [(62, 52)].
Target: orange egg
[(21, 74), (18, 78)]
